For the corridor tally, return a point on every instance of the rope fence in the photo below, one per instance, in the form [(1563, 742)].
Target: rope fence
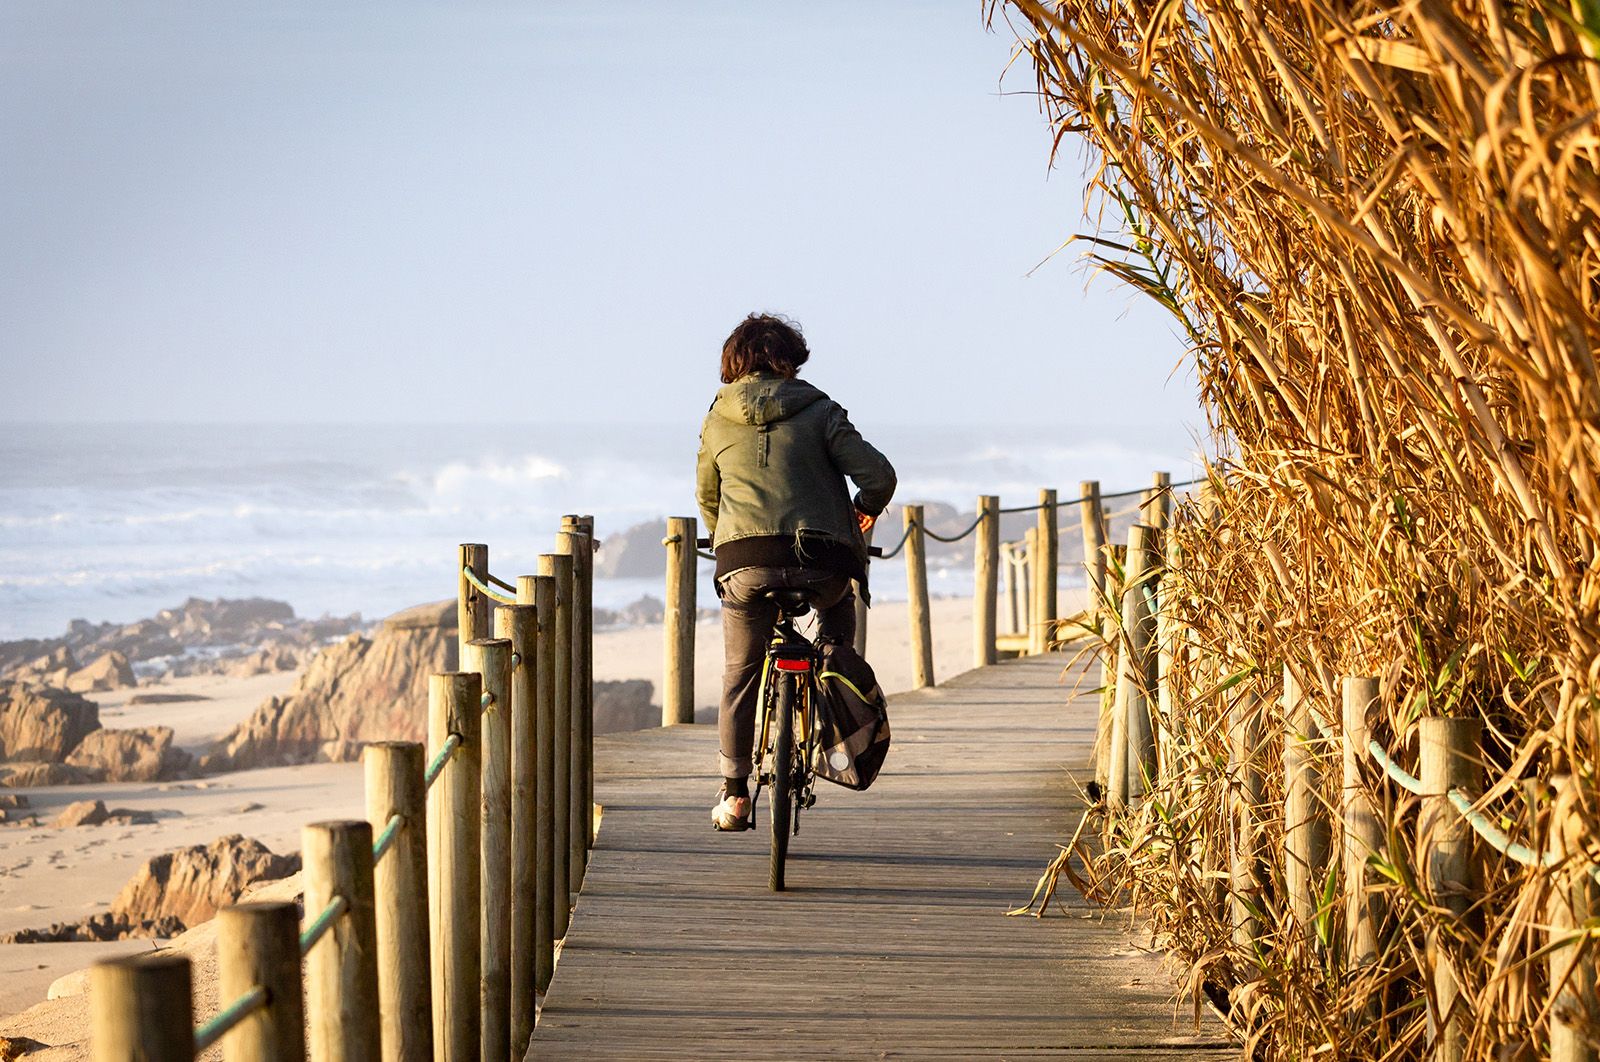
[(322, 923), (371, 880), (228, 1017), (898, 546), (487, 590), (440, 758)]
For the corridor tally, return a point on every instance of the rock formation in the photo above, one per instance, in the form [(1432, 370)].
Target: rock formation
[(174, 891), (376, 689), (191, 884), (110, 671), (44, 724), (633, 554), (236, 637), (53, 737), (142, 754), (31, 774), (358, 690), (94, 813)]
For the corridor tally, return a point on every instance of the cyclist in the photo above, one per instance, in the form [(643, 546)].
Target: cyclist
[(774, 454)]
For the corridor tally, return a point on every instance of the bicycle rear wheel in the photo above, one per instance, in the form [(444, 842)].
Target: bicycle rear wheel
[(782, 781)]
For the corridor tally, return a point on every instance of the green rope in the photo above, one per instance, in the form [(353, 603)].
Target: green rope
[(1394, 770), (501, 583), (451, 743), (386, 839), (324, 922), (229, 1017), (486, 589), (1498, 840)]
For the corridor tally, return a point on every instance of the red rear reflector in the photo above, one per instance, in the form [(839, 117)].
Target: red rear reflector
[(792, 665)]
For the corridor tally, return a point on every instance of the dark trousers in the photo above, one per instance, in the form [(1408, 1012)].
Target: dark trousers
[(747, 620)]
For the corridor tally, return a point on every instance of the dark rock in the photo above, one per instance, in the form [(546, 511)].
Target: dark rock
[(165, 698)]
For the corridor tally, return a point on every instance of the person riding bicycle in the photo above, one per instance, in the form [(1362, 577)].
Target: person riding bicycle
[(771, 482)]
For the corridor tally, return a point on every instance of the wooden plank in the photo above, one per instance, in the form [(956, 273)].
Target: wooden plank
[(892, 940)]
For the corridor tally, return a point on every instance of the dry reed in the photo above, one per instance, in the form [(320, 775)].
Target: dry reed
[(1377, 224)]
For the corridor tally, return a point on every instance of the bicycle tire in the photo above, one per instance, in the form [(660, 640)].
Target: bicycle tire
[(782, 782)]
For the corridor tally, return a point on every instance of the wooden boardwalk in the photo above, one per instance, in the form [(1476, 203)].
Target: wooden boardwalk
[(892, 941)]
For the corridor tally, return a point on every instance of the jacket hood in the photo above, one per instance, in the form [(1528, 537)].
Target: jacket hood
[(764, 398)]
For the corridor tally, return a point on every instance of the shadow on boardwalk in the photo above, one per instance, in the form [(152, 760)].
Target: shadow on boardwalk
[(892, 941)]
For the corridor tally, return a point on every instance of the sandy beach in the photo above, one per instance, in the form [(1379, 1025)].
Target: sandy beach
[(50, 875)]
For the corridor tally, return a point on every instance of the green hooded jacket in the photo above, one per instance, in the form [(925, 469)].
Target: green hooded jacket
[(774, 454)]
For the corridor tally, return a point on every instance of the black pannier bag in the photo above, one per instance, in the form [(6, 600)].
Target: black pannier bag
[(852, 720)]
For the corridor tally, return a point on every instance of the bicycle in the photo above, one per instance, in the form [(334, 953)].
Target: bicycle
[(786, 742), (787, 738)]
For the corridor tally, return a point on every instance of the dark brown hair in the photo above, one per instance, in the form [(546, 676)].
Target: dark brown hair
[(764, 341)]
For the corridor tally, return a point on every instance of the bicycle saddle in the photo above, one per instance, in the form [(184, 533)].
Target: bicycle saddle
[(791, 601)]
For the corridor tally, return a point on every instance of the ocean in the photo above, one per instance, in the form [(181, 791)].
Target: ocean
[(116, 521)]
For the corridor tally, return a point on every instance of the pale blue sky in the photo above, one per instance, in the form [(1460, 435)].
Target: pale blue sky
[(407, 211)]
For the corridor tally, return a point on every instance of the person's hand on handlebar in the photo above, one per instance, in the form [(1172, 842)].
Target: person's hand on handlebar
[(864, 521)]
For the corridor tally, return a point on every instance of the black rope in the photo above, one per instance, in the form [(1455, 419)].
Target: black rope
[(898, 546), (955, 538), (1141, 490)]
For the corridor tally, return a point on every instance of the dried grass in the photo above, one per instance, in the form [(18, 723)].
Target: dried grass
[(1378, 225)]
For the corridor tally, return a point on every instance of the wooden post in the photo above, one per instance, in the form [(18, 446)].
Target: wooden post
[(541, 591), (1166, 654), (341, 969), (1248, 794), (861, 604), (1573, 901), (491, 658), (1027, 569), (141, 1009), (920, 610), (472, 604), (1305, 824), (395, 786), (677, 689), (1108, 619), (583, 642), (258, 945), (1093, 517), (1157, 501), (1044, 561), (520, 625), (986, 565), (1133, 751), (1449, 760), (559, 567), (580, 814), (1008, 585), (454, 708), (1363, 831)]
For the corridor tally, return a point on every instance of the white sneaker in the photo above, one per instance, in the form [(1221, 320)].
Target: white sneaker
[(732, 813)]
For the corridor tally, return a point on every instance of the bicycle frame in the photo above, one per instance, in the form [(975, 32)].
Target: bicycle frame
[(791, 657)]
